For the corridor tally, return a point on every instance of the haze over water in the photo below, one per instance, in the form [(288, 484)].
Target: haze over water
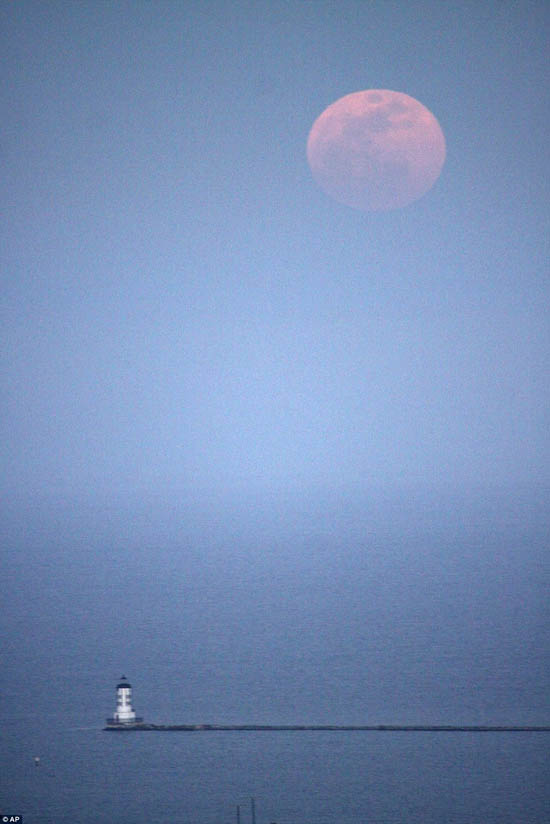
[(274, 459)]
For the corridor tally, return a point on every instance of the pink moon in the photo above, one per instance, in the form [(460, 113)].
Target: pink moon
[(376, 150)]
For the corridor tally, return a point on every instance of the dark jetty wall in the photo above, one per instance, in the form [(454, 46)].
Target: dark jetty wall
[(300, 728)]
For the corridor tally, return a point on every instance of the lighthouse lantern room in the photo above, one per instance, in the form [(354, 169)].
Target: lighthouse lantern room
[(124, 714)]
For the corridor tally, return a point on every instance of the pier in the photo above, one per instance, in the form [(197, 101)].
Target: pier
[(318, 728)]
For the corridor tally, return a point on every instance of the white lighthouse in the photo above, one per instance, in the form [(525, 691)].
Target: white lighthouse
[(124, 713)]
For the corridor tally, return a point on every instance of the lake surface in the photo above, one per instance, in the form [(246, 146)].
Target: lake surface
[(380, 611), (87, 775)]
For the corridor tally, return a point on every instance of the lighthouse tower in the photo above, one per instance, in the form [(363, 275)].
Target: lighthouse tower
[(124, 713)]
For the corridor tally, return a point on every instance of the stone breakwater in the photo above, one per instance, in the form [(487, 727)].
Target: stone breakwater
[(317, 728)]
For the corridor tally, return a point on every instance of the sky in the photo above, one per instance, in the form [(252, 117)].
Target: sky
[(188, 317)]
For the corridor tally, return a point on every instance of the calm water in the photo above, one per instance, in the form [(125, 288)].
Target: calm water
[(296, 778), (402, 612)]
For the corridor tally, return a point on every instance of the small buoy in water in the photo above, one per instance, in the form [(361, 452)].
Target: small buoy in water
[(36, 761)]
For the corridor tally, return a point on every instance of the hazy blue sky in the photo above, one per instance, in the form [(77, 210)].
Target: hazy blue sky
[(183, 306), (186, 313)]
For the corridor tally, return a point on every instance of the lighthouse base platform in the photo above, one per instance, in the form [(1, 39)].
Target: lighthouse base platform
[(113, 724)]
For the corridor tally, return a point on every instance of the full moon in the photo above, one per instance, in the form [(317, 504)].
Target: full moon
[(376, 150)]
